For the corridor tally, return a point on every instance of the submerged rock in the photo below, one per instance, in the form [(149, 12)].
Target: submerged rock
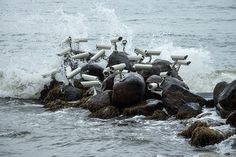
[(188, 133), (59, 104), (203, 136), (56, 105), (145, 108), (119, 57), (93, 69), (232, 119), (106, 113), (188, 110), (158, 115), (98, 101), (128, 91)]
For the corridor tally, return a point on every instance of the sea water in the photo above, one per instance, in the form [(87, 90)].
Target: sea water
[(30, 35)]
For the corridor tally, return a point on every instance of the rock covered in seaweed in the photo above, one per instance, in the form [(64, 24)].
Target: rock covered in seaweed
[(158, 115), (98, 101), (106, 113), (68, 93), (201, 135), (145, 108)]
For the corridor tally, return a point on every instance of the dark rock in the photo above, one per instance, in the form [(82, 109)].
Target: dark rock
[(56, 105), (158, 67), (203, 136), (154, 79), (107, 84), (232, 119), (98, 101), (77, 84), (93, 69), (71, 93), (105, 113), (217, 90), (162, 65), (169, 81), (210, 104), (175, 74), (188, 133), (145, 108), (227, 98), (221, 111), (128, 91), (92, 91), (158, 115), (47, 88), (119, 57), (188, 110), (59, 104), (53, 94), (174, 96), (150, 95)]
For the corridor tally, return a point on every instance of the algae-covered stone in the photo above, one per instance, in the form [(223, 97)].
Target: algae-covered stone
[(145, 108), (53, 94), (158, 115), (203, 136), (56, 105), (98, 101), (188, 133), (105, 113)]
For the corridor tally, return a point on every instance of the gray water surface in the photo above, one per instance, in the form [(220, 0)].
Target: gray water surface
[(30, 33)]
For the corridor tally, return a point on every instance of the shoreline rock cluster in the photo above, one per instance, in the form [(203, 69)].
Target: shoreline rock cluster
[(128, 94)]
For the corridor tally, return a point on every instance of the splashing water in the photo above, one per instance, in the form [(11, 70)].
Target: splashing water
[(32, 51)]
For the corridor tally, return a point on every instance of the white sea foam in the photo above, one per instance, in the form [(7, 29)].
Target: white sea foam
[(21, 70)]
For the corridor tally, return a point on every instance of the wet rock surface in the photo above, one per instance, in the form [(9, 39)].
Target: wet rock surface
[(105, 113), (98, 101), (93, 69), (217, 90), (188, 132), (128, 91), (145, 108), (119, 57), (227, 98), (175, 96), (107, 84), (158, 115), (188, 110), (203, 136), (232, 119)]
